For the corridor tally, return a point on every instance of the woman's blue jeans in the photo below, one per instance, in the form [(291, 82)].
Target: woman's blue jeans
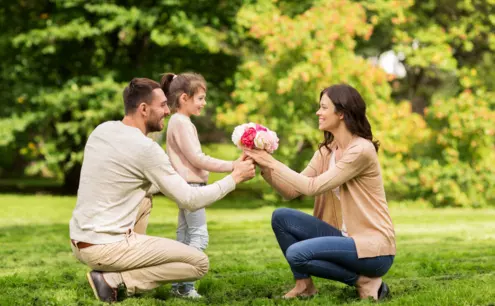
[(313, 247)]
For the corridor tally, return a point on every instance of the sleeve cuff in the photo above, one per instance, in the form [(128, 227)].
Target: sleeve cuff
[(227, 184)]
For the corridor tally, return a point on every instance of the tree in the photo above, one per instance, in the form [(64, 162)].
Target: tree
[(65, 64), (301, 55), (448, 47)]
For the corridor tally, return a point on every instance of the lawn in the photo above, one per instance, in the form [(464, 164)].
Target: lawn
[(445, 257)]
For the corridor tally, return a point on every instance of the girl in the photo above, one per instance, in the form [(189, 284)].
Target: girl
[(186, 94)]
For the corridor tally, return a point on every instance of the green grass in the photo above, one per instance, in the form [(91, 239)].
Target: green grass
[(445, 257)]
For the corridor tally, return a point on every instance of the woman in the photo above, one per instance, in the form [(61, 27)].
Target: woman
[(363, 249)]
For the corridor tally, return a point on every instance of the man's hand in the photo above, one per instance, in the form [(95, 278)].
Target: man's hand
[(243, 171)]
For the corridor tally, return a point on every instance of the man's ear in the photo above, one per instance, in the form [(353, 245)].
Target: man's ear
[(143, 108)]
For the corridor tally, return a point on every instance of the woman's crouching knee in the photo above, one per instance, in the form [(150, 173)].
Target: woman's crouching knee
[(279, 215), (297, 256)]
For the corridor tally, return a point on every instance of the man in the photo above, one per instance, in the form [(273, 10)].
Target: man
[(108, 225)]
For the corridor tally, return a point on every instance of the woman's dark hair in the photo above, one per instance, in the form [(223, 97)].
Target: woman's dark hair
[(349, 102), (174, 85)]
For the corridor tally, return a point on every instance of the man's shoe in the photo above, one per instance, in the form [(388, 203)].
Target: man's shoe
[(101, 289)]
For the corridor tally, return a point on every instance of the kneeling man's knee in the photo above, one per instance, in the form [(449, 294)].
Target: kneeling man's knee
[(202, 265)]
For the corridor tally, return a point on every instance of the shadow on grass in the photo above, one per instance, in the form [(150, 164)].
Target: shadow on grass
[(244, 199)]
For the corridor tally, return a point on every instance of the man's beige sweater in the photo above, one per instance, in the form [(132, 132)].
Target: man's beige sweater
[(120, 165)]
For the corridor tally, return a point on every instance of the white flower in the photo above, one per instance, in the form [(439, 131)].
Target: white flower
[(237, 134), (260, 141)]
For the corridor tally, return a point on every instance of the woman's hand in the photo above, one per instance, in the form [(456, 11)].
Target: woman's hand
[(261, 157)]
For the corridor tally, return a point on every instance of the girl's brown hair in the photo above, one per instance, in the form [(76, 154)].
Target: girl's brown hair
[(174, 85)]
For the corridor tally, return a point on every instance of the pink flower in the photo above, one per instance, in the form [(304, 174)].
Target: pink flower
[(247, 138), (252, 135), (275, 141), (259, 127), (266, 140)]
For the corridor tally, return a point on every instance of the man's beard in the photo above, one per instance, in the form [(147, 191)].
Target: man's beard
[(153, 125)]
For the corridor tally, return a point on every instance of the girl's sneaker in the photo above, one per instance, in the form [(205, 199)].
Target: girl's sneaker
[(175, 292), (192, 294)]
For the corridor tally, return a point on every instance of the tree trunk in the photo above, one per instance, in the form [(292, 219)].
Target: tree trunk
[(71, 180)]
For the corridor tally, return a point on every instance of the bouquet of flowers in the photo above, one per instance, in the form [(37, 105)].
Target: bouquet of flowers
[(252, 135)]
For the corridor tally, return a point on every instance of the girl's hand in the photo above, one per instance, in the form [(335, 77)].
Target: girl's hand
[(240, 159), (244, 171)]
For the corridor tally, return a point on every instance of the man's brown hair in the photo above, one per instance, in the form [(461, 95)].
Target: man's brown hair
[(139, 90)]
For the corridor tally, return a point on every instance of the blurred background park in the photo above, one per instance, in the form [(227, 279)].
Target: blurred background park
[(425, 69)]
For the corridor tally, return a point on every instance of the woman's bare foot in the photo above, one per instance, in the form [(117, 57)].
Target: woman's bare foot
[(304, 288), (368, 287)]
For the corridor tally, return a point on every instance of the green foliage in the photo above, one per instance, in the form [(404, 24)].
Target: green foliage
[(448, 49), (64, 68), (459, 169), (63, 119), (64, 65), (304, 54)]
